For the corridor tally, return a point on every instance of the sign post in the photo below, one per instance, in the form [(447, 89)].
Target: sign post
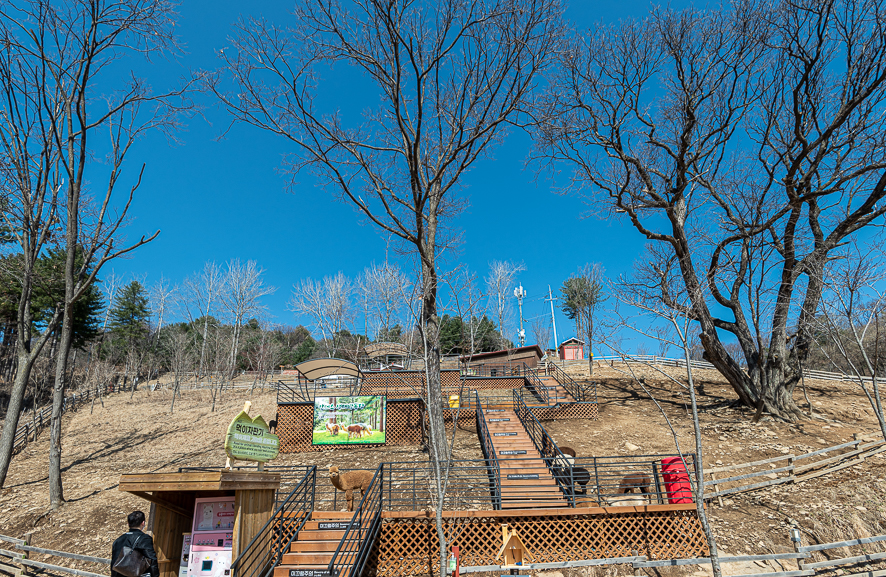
[(250, 439)]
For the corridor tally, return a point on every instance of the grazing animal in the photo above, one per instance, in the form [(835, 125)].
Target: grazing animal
[(354, 431), (272, 426), (638, 481), (633, 501), (333, 429), (631, 485), (367, 430), (350, 481), (582, 477)]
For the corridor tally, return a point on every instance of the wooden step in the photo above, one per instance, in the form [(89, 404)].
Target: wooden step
[(315, 535), (532, 505), (318, 546), (283, 570), (315, 525), (311, 558), (332, 515)]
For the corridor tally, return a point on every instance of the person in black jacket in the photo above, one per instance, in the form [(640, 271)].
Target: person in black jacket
[(138, 540)]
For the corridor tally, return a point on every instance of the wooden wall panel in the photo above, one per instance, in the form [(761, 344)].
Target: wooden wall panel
[(253, 509)]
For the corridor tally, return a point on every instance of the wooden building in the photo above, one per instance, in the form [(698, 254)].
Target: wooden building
[(530, 355), (572, 349)]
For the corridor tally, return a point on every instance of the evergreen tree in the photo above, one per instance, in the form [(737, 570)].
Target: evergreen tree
[(304, 351), (130, 315)]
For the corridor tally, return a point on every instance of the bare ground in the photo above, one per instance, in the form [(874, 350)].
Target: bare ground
[(139, 434)]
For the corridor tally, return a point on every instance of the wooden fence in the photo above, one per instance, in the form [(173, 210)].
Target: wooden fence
[(18, 562), (668, 362), (796, 468), (37, 420)]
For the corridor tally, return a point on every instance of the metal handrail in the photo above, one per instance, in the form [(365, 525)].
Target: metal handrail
[(560, 466), (606, 476), (492, 461), (538, 389), (574, 389), (358, 539), (268, 546)]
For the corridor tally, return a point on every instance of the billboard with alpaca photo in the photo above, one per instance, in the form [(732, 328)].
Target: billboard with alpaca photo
[(349, 420)]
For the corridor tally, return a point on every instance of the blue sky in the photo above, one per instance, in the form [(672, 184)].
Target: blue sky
[(217, 199)]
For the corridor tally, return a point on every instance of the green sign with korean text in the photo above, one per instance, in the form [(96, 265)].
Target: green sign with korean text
[(250, 439)]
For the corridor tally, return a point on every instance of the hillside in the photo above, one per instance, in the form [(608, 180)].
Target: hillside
[(139, 435)]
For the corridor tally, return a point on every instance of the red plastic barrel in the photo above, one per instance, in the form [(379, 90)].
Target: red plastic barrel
[(676, 480)]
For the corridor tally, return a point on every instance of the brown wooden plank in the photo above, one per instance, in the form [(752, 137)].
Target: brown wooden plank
[(198, 476), (165, 503), (533, 512)]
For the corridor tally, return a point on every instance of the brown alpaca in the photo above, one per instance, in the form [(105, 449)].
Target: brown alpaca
[(638, 481), (349, 481)]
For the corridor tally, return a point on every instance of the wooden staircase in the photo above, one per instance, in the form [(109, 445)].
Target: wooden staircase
[(526, 482), (557, 392), (315, 545)]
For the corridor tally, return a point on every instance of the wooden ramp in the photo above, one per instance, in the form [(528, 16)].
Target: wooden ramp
[(526, 482)]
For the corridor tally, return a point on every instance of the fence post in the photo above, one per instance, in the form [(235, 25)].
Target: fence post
[(716, 489), (791, 470), (797, 543), (25, 554)]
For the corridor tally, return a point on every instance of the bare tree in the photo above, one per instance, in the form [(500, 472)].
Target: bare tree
[(328, 303), (467, 304), (30, 184), (202, 292), (241, 296), (541, 331), (744, 142), (499, 284), (181, 355), (451, 76), (381, 287), (162, 294), (851, 320), (645, 294)]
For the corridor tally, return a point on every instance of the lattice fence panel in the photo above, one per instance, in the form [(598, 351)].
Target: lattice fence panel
[(410, 384), (284, 528), (465, 417), (568, 411), (407, 546), (295, 424)]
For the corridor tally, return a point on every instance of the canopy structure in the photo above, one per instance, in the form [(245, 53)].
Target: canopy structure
[(319, 368), (376, 350)]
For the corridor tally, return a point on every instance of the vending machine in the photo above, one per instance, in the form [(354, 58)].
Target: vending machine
[(212, 537), (186, 555)]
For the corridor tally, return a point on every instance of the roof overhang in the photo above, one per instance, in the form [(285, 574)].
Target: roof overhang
[(318, 368)]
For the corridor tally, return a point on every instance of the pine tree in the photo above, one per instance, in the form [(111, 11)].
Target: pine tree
[(130, 315)]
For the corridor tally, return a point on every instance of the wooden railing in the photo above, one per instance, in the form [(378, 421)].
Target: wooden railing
[(797, 468)]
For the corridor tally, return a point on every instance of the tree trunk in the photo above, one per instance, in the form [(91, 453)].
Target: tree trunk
[(437, 445), (699, 467), (26, 361), (56, 492)]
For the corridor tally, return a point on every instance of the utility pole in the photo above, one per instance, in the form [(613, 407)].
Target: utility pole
[(551, 300), (520, 293)]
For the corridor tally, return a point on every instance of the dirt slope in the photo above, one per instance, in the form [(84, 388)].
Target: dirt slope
[(139, 435)]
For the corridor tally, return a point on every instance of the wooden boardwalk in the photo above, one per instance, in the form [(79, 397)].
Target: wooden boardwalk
[(526, 482)]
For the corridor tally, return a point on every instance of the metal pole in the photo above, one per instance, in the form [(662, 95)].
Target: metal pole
[(553, 320), (520, 293)]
